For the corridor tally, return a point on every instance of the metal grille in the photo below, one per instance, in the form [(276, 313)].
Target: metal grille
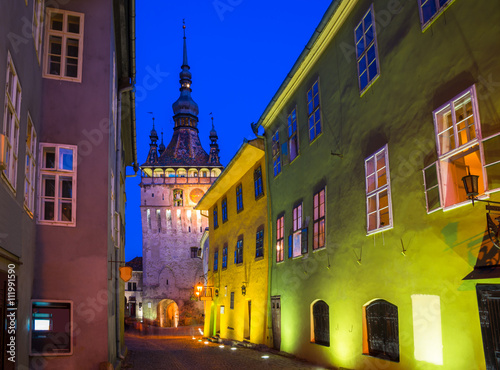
[(382, 327), (321, 319)]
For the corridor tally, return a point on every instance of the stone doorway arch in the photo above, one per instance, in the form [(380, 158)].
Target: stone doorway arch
[(168, 313)]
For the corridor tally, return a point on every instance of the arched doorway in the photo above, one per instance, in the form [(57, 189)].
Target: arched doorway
[(168, 313)]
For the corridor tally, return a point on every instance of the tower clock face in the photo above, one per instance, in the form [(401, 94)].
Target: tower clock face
[(196, 195)]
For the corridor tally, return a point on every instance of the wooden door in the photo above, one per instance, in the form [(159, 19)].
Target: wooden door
[(488, 297), (276, 316)]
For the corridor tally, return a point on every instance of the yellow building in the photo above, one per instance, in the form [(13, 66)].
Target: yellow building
[(237, 277)]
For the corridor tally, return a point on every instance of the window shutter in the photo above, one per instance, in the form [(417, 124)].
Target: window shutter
[(303, 241), (235, 258), (290, 245), (432, 188)]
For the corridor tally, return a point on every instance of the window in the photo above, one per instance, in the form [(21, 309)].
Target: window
[(178, 198), (293, 137), (158, 219), (365, 38), (148, 216), (257, 179), (239, 198), (216, 260), (380, 330), (461, 149), (296, 232), (231, 305), (216, 217), (30, 168), (224, 210), (224, 257), (313, 111), (168, 215), (319, 219), (321, 323), (378, 191), (238, 252), (37, 25), (132, 286), (194, 252), (430, 10), (259, 243), (12, 112), (276, 153), (280, 237), (64, 45), (57, 184), (52, 328), (431, 186)]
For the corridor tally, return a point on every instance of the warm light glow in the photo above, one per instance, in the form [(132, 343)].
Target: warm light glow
[(206, 342), (199, 340), (427, 328), (233, 348), (265, 356), (221, 346)]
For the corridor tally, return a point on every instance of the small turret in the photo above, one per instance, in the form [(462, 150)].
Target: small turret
[(153, 153), (161, 148), (213, 157)]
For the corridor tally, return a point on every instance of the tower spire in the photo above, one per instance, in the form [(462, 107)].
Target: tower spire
[(213, 157), (153, 136), (184, 54)]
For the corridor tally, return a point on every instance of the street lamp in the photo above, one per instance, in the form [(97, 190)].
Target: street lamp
[(198, 289), (472, 188)]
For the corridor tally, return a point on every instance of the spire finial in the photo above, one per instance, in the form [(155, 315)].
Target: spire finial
[(184, 26), (185, 55), (212, 117)]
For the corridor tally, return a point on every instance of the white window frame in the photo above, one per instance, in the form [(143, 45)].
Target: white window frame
[(439, 11), (37, 26), (30, 167), (297, 231), (377, 191), (445, 155), (293, 134), (280, 239), (12, 112), (56, 173), (64, 35), (317, 221), (428, 188), (311, 112), (364, 53), (276, 153)]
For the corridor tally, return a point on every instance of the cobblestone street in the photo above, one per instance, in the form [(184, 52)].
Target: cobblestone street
[(154, 352)]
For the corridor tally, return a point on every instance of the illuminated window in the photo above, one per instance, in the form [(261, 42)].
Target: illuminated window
[(238, 252), (461, 149), (57, 185), (319, 219), (427, 333), (365, 38), (257, 179), (64, 45), (259, 242), (178, 198), (378, 191), (295, 245), (148, 216), (239, 198), (11, 116), (280, 237), (293, 136), (30, 168), (276, 153), (380, 330), (431, 9), (216, 217), (158, 219), (313, 111), (224, 210), (321, 323)]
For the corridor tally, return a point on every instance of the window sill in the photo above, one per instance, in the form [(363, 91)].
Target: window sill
[(315, 139), (239, 210), (259, 258), (319, 249), (62, 78), (260, 196), (379, 230), (8, 184), (298, 155), (430, 22), (56, 223), (367, 87)]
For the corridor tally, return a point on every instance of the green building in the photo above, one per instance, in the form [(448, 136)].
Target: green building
[(379, 259)]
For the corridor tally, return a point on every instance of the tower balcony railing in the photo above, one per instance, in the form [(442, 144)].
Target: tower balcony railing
[(177, 180)]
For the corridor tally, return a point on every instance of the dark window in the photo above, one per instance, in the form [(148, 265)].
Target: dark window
[(382, 330), (489, 317), (129, 286), (276, 153), (216, 217), (134, 286), (239, 198), (52, 327), (224, 210), (319, 219), (293, 137), (257, 179), (231, 306), (216, 260), (224, 257), (194, 252), (429, 9), (321, 322), (238, 252), (259, 243)]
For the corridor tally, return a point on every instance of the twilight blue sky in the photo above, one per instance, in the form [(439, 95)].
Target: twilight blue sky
[(239, 51)]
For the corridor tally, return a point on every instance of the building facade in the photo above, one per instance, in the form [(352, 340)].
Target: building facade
[(61, 59), (174, 178), (379, 259), (133, 290), (236, 290)]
